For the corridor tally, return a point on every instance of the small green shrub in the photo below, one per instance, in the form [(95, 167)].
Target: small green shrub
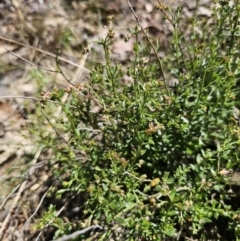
[(149, 160)]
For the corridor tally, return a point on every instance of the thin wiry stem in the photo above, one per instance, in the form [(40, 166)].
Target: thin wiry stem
[(31, 98), (38, 206), (45, 52), (37, 66), (77, 233), (153, 48)]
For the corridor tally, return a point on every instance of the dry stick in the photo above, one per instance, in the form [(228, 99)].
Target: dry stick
[(9, 196), (31, 98), (31, 57), (58, 213), (23, 78), (153, 48), (51, 221), (21, 189), (45, 52), (77, 233), (40, 203), (49, 70)]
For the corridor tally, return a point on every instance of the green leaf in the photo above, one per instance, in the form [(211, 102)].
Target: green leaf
[(169, 230), (172, 195)]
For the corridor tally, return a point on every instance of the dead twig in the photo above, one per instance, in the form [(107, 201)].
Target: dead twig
[(77, 233), (38, 206), (31, 98), (19, 193), (49, 70), (51, 221), (9, 196), (44, 52)]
